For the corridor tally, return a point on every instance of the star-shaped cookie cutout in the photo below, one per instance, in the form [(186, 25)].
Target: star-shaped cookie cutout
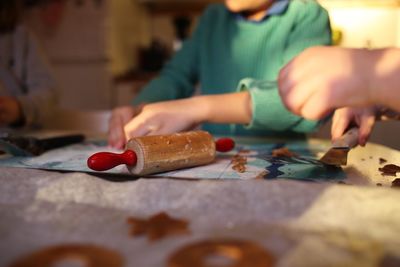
[(158, 226)]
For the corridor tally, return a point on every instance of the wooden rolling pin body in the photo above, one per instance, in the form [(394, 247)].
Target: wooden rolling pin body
[(171, 152)]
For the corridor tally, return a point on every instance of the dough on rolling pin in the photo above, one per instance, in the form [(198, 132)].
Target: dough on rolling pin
[(162, 153)]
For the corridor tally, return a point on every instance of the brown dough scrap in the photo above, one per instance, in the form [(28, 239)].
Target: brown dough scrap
[(240, 253), (238, 159), (396, 182), (262, 174), (389, 170), (241, 168), (88, 255), (158, 226), (239, 163), (283, 152), (382, 160)]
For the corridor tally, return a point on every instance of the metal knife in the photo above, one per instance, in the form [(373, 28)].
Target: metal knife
[(31, 146), (337, 154)]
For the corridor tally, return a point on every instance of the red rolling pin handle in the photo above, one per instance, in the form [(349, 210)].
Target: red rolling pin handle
[(224, 144), (103, 161)]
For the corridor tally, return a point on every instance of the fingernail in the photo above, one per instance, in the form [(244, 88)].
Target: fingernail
[(362, 142)]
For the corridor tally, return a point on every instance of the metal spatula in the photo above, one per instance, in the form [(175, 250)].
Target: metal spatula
[(337, 154)]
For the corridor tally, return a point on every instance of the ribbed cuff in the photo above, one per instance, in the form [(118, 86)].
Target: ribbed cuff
[(268, 111)]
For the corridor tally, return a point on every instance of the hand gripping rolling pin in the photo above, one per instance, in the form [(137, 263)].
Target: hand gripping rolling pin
[(161, 153)]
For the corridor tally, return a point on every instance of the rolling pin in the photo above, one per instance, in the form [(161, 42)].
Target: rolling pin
[(161, 153)]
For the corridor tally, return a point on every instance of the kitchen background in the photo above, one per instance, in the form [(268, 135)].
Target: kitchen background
[(103, 51)]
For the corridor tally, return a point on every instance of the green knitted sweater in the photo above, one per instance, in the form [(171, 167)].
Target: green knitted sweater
[(226, 54)]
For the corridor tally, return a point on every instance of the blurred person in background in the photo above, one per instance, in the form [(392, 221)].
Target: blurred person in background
[(27, 87)]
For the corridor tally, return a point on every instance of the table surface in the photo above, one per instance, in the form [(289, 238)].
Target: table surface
[(352, 224)]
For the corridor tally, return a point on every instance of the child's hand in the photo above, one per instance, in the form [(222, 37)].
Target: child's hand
[(364, 118), (165, 118), (119, 117), (10, 110), (322, 79)]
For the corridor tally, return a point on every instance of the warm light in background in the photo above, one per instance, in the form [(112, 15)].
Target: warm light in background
[(371, 24)]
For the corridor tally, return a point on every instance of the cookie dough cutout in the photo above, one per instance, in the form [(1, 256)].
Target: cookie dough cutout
[(85, 254), (235, 253), (158, 226)]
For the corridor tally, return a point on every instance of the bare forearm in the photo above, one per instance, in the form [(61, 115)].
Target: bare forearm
[(385, 81), (225, 108)]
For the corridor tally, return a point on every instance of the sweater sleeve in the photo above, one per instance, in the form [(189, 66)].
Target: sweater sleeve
[(39, 100), (312, 28), (180, 75)]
